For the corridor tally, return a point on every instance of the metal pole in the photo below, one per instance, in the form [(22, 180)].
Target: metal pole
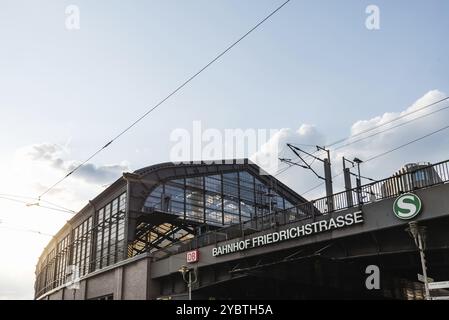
[(359, 185), (271, 216), (358, 169), (348, 187), (423, 265), (190, 285), (328, 180)]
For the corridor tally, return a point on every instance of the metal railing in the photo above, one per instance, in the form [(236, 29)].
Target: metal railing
[(402, 182)]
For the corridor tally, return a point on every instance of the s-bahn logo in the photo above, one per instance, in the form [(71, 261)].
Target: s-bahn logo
[(407, 206)]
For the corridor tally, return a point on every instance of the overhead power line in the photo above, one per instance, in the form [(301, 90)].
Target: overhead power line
[(36, 199), (390, 128), (322, 183), (167, 97), (24, 230), (386, 153), (36, 204), (388, 122), (379, 126), (280, 171), (408, 143)]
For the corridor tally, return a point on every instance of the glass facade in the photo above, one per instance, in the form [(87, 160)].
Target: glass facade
[(218, 199), (110, 231), (62, 256), (104, 240), (222, 199), (50, 270), (82, 240)]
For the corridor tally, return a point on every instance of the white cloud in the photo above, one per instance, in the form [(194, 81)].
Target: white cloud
[(306, 136), (51, 155), (29, 172), (32, 169), (432, 149)]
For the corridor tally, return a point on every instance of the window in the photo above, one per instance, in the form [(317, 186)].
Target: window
[(121, 227), (110, 232), (195, 199), (99, 250), (173, 197), (50, 282), (213, 199), (218, 199), (108, 247), (106, 235), (82, 238), (230, 184), (154, 199), (63, 251), (113, 230), (247, 196)]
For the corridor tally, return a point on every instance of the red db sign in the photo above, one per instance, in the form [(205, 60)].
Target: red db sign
[(193, 256)]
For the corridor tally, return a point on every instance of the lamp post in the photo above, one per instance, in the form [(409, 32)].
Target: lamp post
[(184, 270), (418, 234)]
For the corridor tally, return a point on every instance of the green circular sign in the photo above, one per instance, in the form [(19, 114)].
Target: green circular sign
[(407, 206)]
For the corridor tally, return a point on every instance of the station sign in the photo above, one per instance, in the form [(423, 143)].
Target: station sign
[(407, 206), (295, 232)]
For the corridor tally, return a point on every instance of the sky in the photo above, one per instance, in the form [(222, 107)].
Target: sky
[(314, 71)]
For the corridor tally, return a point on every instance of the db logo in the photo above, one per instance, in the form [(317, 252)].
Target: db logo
[(407, 206), (193, 256)]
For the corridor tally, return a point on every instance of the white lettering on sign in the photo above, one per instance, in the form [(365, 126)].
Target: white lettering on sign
[(291, 233), (193, 256)]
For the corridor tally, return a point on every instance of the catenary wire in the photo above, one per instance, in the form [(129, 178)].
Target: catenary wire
[(385, 153), (25, 230), (381, 125), (166, 98), (36, 199), (38, 205), (407, 144), (388, 122), (390, 128)]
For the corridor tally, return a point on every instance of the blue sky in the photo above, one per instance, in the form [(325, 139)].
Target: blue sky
[(313, 63), (311, 60)]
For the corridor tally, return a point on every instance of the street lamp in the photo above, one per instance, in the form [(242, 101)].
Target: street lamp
[(418, 233), (184, 270)]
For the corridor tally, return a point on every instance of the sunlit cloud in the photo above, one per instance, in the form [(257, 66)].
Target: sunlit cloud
[(433, 149)]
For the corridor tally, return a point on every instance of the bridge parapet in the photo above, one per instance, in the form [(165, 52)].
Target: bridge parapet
[(406, 181), (377, 216)]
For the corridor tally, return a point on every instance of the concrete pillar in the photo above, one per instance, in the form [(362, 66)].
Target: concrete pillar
[(118, 278), (153, 290)]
